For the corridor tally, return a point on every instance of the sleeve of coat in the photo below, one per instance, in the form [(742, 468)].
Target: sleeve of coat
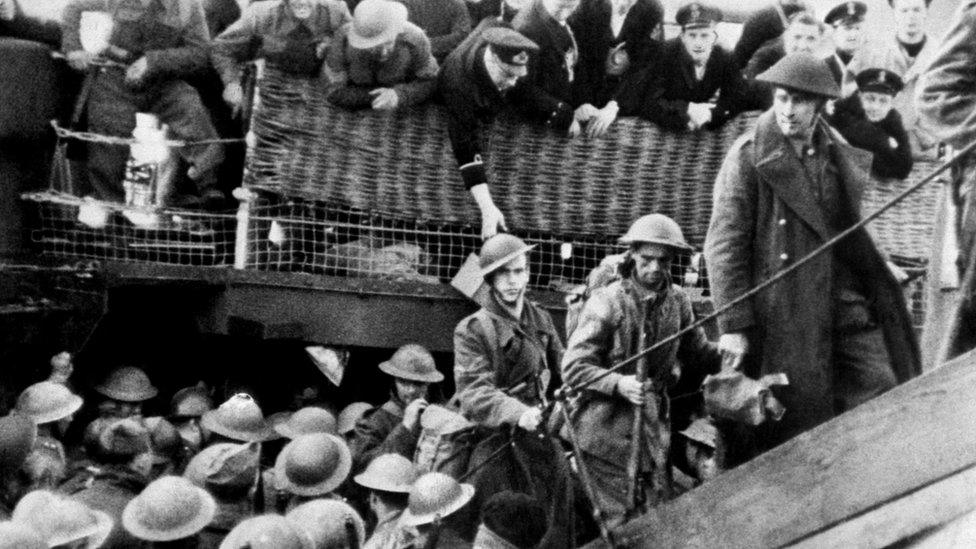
[(71, 22), (946, 95), (192, 57), (460, 28), (481, 401), (424, 70), (401, 441), (668, 113), (371, 433), (729, 251), (535, 104), (235, 45), (588, 348), (732, 95)]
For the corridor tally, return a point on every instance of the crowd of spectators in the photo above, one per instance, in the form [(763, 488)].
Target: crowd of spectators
[(576, 65)]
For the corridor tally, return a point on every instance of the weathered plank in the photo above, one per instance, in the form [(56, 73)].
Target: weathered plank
[(958, 534), (928, 507), (916, 434)]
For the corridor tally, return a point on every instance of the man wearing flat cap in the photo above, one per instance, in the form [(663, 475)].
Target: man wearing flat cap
[(846, 21), (838, 326), (868, 121), (482, 76), (380, 60), (694, 83)]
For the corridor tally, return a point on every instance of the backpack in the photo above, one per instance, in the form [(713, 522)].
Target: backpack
[(445, 443), (610, 270)]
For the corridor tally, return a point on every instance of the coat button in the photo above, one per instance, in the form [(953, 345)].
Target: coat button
[(782, 222), (784, 257)]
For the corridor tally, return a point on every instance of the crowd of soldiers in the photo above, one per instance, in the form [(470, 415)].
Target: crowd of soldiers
[(544, 443)]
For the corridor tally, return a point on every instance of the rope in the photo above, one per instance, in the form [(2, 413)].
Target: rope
[(91, 137), (783, 273)]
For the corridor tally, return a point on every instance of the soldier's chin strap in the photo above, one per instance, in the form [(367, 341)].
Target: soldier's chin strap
[(782, 273)]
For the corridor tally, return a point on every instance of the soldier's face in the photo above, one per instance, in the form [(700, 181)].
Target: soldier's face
[(848, 37), (652, 263), (876, 105), (301, 9), (801, 38), (409, 391), (910, 16), (795, 112), (698, 43), (509, 281)]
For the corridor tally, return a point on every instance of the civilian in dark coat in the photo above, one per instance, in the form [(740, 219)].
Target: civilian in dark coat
[(764, 25), (552, 70), (878, 127), (446, 23), (691, 72), (482, 76), (605, 54)]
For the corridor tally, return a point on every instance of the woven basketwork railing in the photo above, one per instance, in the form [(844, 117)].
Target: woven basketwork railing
[(400, 165)]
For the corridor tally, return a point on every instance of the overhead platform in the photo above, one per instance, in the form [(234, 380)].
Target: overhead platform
[(900, 468)]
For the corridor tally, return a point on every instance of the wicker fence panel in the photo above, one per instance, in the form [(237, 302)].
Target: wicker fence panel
[(401, 165)]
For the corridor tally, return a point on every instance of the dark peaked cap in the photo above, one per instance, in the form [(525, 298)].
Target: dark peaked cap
[(509, 44)]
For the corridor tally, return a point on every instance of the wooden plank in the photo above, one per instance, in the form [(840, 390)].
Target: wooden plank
[(914, 435), (928, 507), (960, 533)]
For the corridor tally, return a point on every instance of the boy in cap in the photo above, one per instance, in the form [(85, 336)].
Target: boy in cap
[(838, 327), (481, 77), (846, 19), (395, 426), (678, 91), (388, 478), (290, 35), (868, 121), (803, 34), (380, 60), (907, 52)]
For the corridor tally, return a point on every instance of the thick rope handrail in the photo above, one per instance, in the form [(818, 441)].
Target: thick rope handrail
[(91, 137), (779, 275)]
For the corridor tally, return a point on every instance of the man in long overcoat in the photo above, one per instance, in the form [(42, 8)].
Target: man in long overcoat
[(506, 357), (838, 326), (609, 330)]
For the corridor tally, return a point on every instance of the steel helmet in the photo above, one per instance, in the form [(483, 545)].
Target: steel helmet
[(224, 464), (412, 362), (802, 72), (267, 532), (656, 229), (310, 419), (15, 535), (350, 415), (190, 402), (433, 497), (313, 464), (499, 250), (47, 401), (61, 520), (128, 384), (388, 473), (240, 418), (329, 523), (169, 508)]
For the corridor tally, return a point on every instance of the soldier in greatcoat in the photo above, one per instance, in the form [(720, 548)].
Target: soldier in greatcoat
[(838, 327)]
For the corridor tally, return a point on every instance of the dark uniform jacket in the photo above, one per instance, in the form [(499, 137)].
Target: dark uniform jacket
[(609, 331), (662, 91), (887, 138), (591, 25), (765, 217), (472, 99), (552, 70), (760, 94), (381, 431)]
